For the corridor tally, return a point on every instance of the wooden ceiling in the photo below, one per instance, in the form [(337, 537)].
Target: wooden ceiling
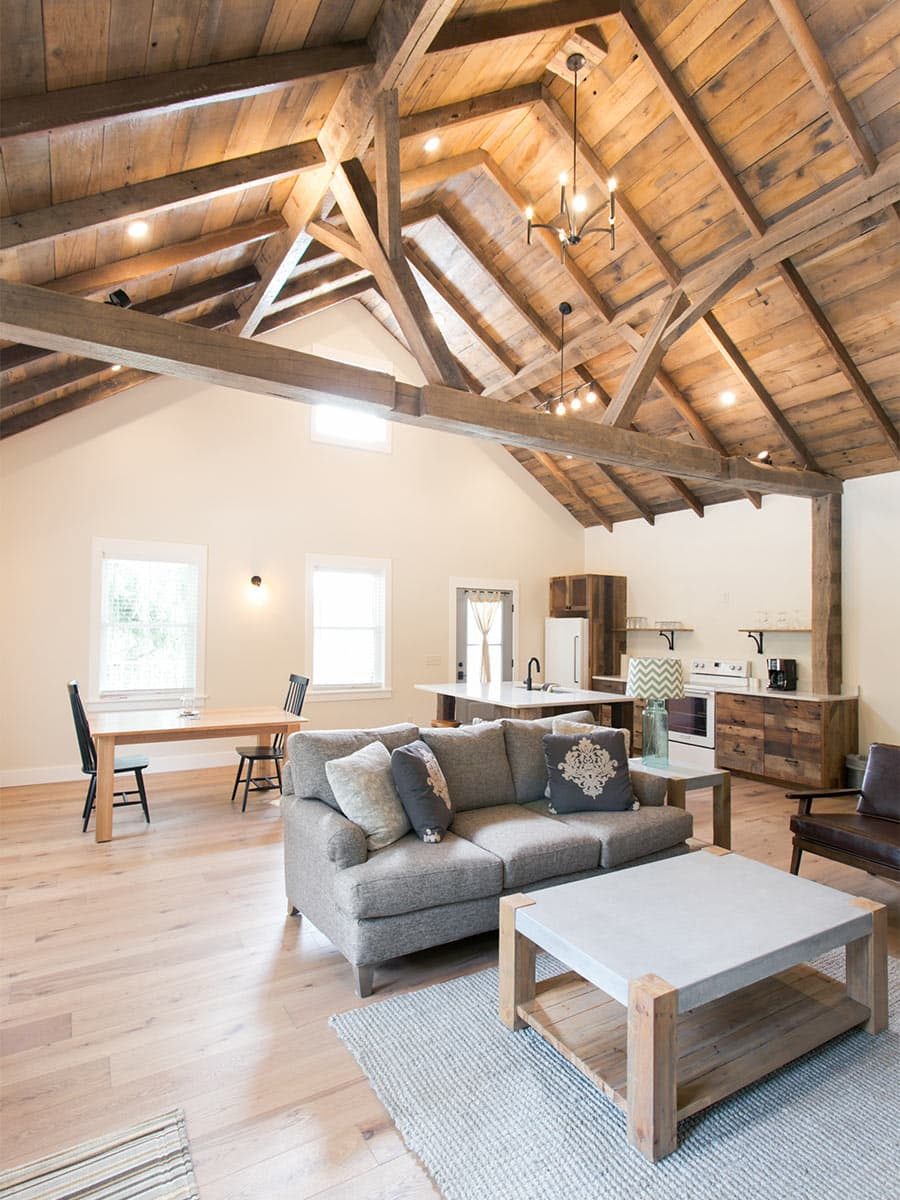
[(754, 142)]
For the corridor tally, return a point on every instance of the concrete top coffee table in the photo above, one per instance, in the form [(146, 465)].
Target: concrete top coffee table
[(688, 979)]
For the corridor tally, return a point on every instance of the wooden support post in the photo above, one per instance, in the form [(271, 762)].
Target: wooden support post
[(866, 970), (826, 594), (652, 1059), (516, 962), (387, 173)]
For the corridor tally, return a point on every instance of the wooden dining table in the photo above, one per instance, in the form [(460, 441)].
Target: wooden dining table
[(111, 729)]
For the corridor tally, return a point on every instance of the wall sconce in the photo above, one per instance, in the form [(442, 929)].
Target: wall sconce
[(256, 590), (256, 581)]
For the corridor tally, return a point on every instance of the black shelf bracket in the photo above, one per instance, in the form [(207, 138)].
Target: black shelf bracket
[(757, 638), (669, 635)]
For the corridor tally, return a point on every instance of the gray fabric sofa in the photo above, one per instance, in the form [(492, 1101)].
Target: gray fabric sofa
[(411, 895)]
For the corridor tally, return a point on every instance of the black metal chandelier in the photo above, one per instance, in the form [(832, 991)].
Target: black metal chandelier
[(568, 399), (569, 224)]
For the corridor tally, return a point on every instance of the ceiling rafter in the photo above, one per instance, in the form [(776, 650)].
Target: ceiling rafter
[(574, 489), (548, 17), (684, 110)]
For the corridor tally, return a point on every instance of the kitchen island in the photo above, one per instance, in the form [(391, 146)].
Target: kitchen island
[(464, 701)]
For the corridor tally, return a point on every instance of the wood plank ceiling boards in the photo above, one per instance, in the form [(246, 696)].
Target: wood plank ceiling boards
[(245, 164)]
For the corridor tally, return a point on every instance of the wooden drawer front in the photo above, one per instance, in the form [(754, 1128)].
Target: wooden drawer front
[(741, 711), (802, 715), (793, 770), (739, 749)]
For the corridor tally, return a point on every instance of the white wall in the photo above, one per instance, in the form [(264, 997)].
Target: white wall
[(172, 461), (718, 573), (871, 600)]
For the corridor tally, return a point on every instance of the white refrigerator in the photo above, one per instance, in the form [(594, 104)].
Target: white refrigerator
[(566, 652)]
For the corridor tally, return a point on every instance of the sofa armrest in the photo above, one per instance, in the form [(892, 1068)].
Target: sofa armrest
[(650, 790), (324, 834), (287, 780), (806, 798)]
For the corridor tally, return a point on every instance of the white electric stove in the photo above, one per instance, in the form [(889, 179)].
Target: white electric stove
[(692, 719)]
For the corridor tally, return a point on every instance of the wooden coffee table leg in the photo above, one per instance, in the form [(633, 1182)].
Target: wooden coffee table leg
[(516, 962), (652, 1059), (722, 813), (867, 967)]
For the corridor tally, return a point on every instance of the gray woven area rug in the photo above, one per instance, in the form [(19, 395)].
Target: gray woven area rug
[(495, 1115), (150, 1161)]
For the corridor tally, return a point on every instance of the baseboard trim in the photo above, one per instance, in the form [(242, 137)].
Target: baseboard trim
[(159, 765)]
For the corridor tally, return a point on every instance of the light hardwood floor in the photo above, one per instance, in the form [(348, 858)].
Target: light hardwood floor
[(160, 970)]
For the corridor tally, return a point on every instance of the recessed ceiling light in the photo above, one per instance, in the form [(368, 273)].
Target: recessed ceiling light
[(433, 143), (138, 229), (727, 398), (764, 457), (117, 367), (570, 457)]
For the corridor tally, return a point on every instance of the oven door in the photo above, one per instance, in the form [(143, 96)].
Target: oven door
[(692, 717)]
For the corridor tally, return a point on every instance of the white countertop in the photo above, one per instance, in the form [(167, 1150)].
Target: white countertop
[(516, 695)]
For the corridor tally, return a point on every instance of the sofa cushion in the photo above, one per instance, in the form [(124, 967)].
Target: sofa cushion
[(364, 788), (626, 836), (410, 875), (588, 772), (531, 847), (874, 838), (525, 751), (567, 726), (310, 749), (473, 759), (423, 790)]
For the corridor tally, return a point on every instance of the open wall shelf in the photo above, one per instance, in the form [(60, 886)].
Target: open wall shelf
[(664, 632), (758, 634)]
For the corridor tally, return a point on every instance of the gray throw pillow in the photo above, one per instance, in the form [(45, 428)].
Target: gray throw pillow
[(473, 759), (364, 788), (423, 790), (310, 749), (588, 772)]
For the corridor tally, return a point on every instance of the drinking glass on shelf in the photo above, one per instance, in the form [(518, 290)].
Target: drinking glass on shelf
[(782, 620), (762, 618), (187, 705)]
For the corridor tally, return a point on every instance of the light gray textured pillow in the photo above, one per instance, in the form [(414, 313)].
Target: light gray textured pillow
[(567, 726), (310, 749), (473, 759), (364, 789)]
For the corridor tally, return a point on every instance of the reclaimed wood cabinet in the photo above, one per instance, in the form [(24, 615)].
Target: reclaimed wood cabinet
[(602, 599), (802, 742)]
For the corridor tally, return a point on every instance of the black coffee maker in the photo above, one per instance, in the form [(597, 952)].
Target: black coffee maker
[(783, 674)]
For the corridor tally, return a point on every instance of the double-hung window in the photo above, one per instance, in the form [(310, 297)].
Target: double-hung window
[(148, 620), (348, 622)]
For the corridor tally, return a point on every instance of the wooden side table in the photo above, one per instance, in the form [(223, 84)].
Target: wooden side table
[(680, 779)]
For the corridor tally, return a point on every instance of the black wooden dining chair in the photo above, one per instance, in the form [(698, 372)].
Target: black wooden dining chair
[(123, 765), (293, 703)]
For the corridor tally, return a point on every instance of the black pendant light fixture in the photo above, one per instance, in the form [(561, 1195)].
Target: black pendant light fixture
[(568, 400), (569, 224)]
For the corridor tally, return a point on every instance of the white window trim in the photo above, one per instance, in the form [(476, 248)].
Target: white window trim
[(101, 548), (485, 585), (318, 693), (370, 363)]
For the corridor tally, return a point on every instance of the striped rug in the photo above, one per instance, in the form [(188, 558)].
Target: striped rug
[(151, 1161)]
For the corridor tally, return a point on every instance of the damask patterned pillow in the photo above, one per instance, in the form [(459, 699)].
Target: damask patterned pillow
[(423, 790), (588, 772)]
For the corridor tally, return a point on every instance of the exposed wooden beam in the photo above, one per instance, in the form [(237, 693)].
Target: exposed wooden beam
[(644, 365), (353, 192), (473, 108), (387, 173), (827, 638), (306, 286), (690, 499), (601, 174), (155, 195), (798, 288), (679, 325), (87, 328), (693, 126), (823, 80), (338, 240), (520, 22), (399, 38), (318, 303), (39, 414), (101, 280), (172, 305), (634, 499), (574, 489), (174, 91)]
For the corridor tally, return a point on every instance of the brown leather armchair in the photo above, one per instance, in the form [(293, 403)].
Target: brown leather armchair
[(868, 838)]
